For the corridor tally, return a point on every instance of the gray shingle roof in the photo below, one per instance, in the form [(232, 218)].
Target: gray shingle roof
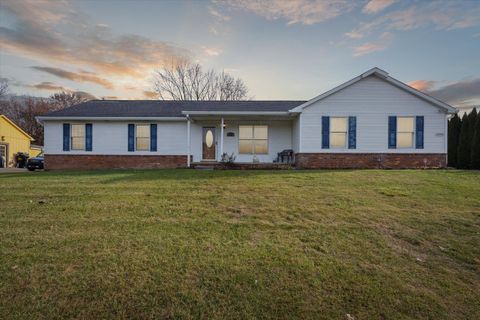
[(158, 108)]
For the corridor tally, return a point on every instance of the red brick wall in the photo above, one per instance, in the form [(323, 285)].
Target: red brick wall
[(71, 161), (370, 160)]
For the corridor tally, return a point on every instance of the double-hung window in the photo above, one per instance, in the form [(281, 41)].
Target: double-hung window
[(405, 132), (338, 132), (142, 135), (78, 136), (253, 139)]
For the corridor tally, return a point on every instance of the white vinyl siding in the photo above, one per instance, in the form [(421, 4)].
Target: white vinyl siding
[(372, 101), (111, 138), (296, 134)]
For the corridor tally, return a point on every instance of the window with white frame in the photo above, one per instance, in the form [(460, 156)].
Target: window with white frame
[(78, 136), (253, 139), (405, 132), (338, 132), (142, 135)]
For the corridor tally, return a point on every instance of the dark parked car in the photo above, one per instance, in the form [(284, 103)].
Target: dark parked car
[(21, 159), (35, 163)]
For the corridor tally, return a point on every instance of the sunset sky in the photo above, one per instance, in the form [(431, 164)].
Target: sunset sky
[(282, 49)]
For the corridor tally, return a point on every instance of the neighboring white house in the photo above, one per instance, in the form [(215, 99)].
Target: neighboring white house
[(371, 121)]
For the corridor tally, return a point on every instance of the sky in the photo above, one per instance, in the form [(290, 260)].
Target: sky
[(283, 50)]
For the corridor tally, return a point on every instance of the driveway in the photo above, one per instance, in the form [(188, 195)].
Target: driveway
[(12, 170)]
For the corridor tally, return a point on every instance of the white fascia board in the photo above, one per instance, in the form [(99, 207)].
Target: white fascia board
[(379, 72), (237, 113), (52, 118)]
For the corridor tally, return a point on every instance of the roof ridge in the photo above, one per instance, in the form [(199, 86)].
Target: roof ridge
[(150, 100)]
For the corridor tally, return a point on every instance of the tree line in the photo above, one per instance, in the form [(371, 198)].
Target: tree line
[(464, 141), (23, 110)]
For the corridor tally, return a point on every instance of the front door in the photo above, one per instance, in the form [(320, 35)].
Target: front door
[(208, 145)]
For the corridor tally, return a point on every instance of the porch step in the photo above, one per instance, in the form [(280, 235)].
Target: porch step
[(204, 167), (241, 166)]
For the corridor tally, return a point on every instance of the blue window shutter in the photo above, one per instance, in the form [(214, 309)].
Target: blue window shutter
[(131, 137), (325, 132), (66, 137), (352, 132), (419, 132), (153, 137), (88, 137), (392, 132)]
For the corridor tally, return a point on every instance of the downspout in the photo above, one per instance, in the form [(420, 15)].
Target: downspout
[(221, 137), (188, 141)]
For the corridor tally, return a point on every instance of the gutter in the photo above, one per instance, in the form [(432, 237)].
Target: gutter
[(238, 113), (86, 118)]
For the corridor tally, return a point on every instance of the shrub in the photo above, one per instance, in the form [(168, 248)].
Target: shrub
[(475, 152), (464, 144), (453, 134)]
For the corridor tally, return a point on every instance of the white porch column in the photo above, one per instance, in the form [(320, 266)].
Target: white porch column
[(221, 137), (188, 141)]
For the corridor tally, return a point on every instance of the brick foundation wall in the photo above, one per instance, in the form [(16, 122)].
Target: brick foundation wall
[(71, 161), (370, 160)]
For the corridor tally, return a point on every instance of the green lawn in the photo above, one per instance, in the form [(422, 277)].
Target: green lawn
[(183, 244)]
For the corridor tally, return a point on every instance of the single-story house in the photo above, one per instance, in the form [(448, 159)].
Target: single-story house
[(371, 121), (14, 140)]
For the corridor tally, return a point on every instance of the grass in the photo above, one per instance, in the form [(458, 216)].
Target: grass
[(182, 244)]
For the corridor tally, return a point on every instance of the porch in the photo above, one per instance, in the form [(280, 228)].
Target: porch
[(254, 140)]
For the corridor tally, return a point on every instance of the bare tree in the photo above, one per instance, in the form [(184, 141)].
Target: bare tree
[(188, 81), (23, 113), (24, 110), (3, 88), (61, 100)]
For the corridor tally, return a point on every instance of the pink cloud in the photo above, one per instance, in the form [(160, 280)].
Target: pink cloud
[(369, 47), (294, 11), (375, 6)]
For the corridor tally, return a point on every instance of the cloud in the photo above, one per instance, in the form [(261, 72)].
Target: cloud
[(83, 76), (375, 6), (422, 85), (354, 35), (54, 31), (369, 47), (440, 15), (85, 95), (218, 15), (306, 12), (150, 94), (463, 94), (213, 52), (48, 86)]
